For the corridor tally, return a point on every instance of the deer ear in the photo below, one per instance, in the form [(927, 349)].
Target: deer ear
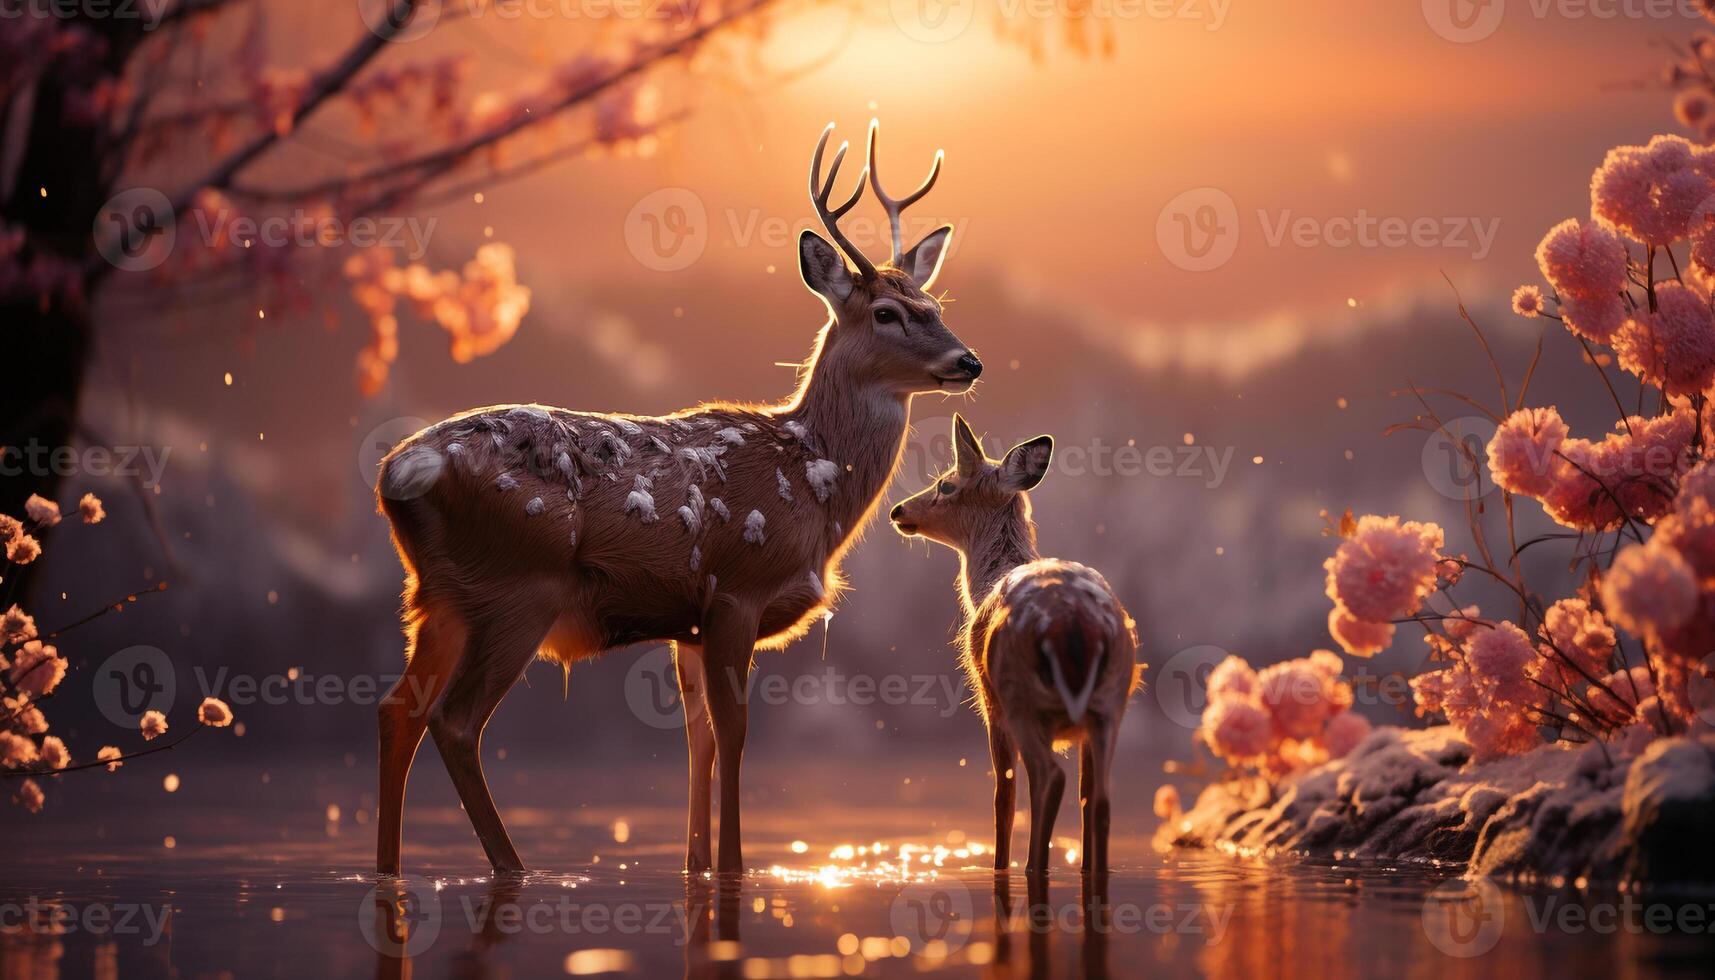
[(1026, 464), (967, 451), (823, 269), (923, 262)]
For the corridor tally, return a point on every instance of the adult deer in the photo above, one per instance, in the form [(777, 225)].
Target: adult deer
[(1049, 649), (527, 530)]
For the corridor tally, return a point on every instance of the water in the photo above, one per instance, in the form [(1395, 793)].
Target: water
[(265, 880)]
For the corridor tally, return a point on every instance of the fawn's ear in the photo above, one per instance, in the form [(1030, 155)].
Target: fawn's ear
[(923, 262), (1026, 464), (823, 269), (967, 451)]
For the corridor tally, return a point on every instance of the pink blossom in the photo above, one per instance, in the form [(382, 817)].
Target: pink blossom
[(1596, 317), (1358, 637), (16, 750), (1297, 696), (1527, 301), (153, 725), (214, 713), (42, 510), (1167, 801), (30, 796), (1385, 568), (1237, 731), (1579, 634), (54, 754), (1628, 688), (16, 626), (1232, 678), (23, 549), (37, 668), (1584, 260), (10, 528), (1691, 107), (1495, 734), (1345, 730), (1651, 193), (90, 507), (1673, 347), (1460, 627), (110, 754), (1522, 452), (1500, 658), (1649, 589)]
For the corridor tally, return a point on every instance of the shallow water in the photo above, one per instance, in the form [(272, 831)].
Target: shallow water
[(271, 882)]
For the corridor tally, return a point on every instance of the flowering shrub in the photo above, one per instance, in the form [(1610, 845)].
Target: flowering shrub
[(31, 671), (1282, 718)]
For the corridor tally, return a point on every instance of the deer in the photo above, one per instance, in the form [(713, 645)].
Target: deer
[(1048, 648), (528, 531)]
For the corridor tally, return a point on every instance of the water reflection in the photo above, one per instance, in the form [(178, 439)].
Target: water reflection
[(898, 906)]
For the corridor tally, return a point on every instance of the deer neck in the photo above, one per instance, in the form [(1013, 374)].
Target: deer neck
[(998, 549), (858, 425)]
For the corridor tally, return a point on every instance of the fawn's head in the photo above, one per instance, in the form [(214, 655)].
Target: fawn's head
[(886, 325), (976, 496)]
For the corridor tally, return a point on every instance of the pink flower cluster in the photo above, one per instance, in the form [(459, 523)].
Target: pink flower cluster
[(1630, 474), (1382, 571), (1286, 717), (1489, 693), (31, 668)]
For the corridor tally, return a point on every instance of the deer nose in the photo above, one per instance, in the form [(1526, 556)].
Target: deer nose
[(970, 365), (897, 514)]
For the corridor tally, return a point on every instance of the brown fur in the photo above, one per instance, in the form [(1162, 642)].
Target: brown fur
[(520, 533), (1041, 636)]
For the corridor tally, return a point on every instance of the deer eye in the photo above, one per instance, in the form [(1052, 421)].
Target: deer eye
[(886, 314), (946, 488)]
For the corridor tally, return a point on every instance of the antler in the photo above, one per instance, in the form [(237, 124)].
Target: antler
[(896, 207), (830, 219)]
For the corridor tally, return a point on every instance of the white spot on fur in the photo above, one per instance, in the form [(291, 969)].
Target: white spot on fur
[(731, 436), (641, 502), (821, 473), (661, 446), (718, 505), (627, 426), (454, 449), (535, 506), (693, 522), (785, 488), (506, 482), (706, 458), (412, 473), (1076, 704), (817, 587), (798, 431), (753, 526), (696, 557)]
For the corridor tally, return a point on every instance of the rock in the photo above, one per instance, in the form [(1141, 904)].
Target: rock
[(1557, 812)]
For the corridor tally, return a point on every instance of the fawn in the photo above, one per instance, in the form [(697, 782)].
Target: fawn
[(1051, 652), (527, 530)]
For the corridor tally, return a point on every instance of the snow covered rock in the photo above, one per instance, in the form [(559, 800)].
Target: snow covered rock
[(1556, 812)]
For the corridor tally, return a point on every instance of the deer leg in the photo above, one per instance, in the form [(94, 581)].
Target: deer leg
[(729, 640), (1047, 786), (495, 659), (437, 641), (1004, 758), (1103, 735), (1086, 794), (700, 735)]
